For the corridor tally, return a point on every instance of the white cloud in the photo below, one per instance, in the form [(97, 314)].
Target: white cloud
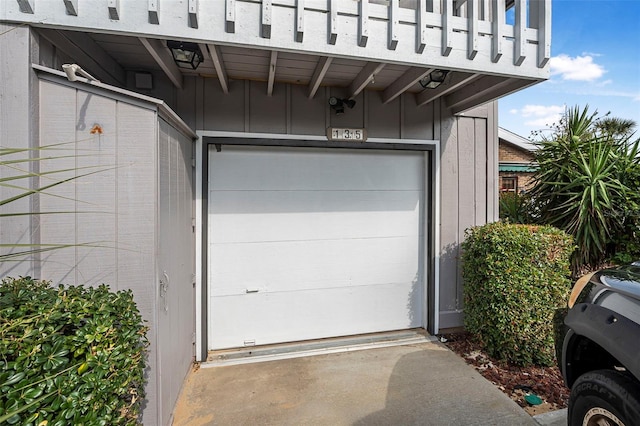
[(540, 116), (580, 68)]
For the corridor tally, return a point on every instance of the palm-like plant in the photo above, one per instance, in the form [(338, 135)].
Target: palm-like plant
[(583, 182)]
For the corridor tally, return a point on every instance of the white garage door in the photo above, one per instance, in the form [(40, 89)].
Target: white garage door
[(308, 243)]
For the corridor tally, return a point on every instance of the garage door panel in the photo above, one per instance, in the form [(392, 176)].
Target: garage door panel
[(316, 313), (318, 264), (314, 169), (313, 243), (276, 216)]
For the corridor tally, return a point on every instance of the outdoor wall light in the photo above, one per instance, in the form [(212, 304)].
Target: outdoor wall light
[(434, 79), (185, 54), (338, 104)]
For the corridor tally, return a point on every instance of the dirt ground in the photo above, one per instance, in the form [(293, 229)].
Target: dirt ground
[(516, 382)]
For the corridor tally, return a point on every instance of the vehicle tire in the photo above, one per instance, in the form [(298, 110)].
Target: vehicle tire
[(604, 397)]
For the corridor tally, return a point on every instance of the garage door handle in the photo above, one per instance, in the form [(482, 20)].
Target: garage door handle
[(253, 290)]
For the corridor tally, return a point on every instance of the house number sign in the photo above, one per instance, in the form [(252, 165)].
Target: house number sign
[(346, 135)]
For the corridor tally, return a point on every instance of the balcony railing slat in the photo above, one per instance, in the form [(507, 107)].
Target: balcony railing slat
[(421, 30), (447, 27), (394, 13), (472, 11), (193, 13), (497, 26), (230, 16), (71, 6), (266, 19), (299, 20), (333, 21), (363, 23), (520, 28)]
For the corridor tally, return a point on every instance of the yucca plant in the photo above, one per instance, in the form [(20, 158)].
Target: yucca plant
[(18, 167), (583, 182)]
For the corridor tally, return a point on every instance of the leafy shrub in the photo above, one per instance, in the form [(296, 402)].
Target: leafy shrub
[(516, 208), (515, 277), (69, 355)]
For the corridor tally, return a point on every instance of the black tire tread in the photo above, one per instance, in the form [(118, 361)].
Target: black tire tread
[(623, 395)]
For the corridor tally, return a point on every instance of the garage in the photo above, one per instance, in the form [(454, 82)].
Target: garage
[(309, 243)]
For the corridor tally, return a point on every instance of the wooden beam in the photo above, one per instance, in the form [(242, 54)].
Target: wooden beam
[(26, 6), (394, 11), (472, 19), (447, 27), (363, 78), (299, 20), (113, 6), (363, 23), (163, 58), (321, 69), (265, 28), (218, 64), (421, 27), (476, 93), (97, 53), (193, 13), (230, 16), (402, 84), (333, 21), (519, 32), (83, 50), (454, 82), (507, 87), (496, 29), (71, 6), (272, 72), (153, 10)]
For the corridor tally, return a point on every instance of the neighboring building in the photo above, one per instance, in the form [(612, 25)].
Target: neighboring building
[(516, 164), (312, 178)]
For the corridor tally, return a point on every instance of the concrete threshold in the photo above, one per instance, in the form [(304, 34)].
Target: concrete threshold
[(254, 354)]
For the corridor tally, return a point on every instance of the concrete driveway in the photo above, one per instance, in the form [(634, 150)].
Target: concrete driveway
[(417, 384)]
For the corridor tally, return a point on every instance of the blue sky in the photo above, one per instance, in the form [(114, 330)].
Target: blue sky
[(595, 60)]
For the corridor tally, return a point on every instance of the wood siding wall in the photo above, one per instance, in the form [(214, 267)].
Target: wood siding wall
[(175, 266), (469, 177)]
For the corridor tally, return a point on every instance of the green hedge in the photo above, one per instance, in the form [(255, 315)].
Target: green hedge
[(69, 355), (515, 278)]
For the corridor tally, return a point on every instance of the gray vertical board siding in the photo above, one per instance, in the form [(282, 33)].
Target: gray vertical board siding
[(481, 205), (57, 126), (18, 128), (136, 225), (165, 269), (267, 114), (417, 121), (176, 309), (95, 193), (222, 112), (379, 116), (186, 101), (466, 173), (307, 115), (449, 205)]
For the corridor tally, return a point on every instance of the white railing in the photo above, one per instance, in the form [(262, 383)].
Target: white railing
[(456, 34)]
